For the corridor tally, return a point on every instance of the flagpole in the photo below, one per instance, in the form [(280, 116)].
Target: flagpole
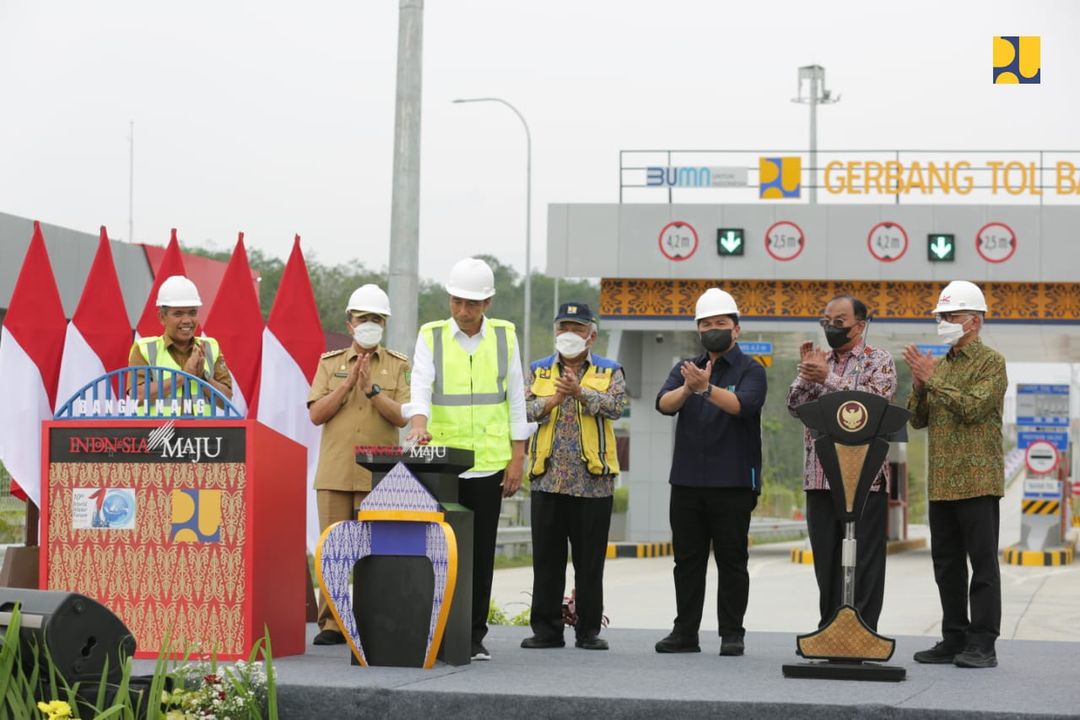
[(131, 183)]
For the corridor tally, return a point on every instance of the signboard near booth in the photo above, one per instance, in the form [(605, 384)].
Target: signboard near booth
[(1042, 405), (1042, 458)]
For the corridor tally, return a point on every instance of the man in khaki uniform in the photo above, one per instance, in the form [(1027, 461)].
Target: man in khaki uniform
[(357, 393)]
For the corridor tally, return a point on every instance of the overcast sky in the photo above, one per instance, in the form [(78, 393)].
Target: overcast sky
[(276, 118)]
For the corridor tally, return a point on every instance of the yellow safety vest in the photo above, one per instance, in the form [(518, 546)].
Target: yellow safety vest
[(469, 406), (597, 434), (153, 349)]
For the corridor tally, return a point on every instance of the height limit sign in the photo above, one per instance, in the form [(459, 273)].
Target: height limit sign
[(678, 241)]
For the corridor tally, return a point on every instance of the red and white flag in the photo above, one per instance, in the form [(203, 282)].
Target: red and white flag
[(99, 334), (171, 264), (236, 322), (30, 352), (292, 343)]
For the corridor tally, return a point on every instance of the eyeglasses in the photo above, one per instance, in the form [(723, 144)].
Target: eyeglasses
[(952, 316), (826, 323)]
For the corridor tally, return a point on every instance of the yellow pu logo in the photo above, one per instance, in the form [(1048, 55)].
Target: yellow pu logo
[(196, 516), (1017, 60), (779, 177)]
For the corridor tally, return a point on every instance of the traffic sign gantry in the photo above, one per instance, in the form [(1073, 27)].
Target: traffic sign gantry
[(1041, 457), (941, 247), (730, 241)]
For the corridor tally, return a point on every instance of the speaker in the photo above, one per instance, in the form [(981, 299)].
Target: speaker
[(78, 632)]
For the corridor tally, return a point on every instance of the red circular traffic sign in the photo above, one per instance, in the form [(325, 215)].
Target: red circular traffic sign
[(784, 240), (1042, 457), (678, 240), (1076, 488), (887, 241), (995, 242)]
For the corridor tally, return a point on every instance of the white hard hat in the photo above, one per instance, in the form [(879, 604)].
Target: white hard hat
[(960, 295), (369, 298), (471, 279), (178, 291), (715, 301)]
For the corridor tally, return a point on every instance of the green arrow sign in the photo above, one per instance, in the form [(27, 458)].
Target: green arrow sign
[(941, 248), (729, 241)]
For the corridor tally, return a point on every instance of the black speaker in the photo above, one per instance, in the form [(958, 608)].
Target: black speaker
[(79, 633)]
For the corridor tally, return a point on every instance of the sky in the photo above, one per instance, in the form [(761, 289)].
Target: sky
[(276, 118)]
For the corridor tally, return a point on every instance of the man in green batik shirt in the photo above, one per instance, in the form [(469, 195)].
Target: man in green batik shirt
[(960, 399)]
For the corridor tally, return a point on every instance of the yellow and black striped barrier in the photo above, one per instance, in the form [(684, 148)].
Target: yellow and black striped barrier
[(638, 550), (805, 556), (1040, 507), (1049, 557)]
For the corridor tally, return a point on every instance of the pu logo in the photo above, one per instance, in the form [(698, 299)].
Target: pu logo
[(779, 177), (1016, 60), (196, 516)]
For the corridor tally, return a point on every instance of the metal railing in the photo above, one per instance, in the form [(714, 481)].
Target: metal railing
[(122, 395)]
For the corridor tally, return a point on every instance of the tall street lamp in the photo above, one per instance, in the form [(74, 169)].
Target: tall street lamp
[(526, 358)]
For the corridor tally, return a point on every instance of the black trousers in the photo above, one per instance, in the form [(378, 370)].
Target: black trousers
[(826, 539), (720, 517), (484, 497), (583, 522), (963, 531)]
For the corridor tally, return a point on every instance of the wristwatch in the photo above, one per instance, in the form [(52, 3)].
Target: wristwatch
[(375, 390), (707, 391)]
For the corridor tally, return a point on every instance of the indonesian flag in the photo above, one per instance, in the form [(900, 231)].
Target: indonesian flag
[(171, 264), (236, 322), (30, 351), (99, 334), (291, 345)]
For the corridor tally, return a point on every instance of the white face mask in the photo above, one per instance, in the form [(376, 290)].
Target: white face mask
[(367, 334), (569, 344), (950, 332)]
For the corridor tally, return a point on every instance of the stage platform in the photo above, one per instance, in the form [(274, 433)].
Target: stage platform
[(1034, 679)]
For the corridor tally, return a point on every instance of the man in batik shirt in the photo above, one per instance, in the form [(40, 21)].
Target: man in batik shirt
[(575, 396), (959, 400), (851, 365)]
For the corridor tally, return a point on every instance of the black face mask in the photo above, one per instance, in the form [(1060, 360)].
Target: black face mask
[(837, 337), (716, 341)]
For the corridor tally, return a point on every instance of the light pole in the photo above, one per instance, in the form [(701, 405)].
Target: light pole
[(816, 95), (526, 358)]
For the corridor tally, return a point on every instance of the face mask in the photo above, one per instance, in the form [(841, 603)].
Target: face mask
[(949, 332), (367, 334), (716, 341), (569, 344), (837, 337)]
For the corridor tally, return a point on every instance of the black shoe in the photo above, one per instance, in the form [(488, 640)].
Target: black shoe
[(538, 643), (591, 643), (678, 644), (732, 645), (479, 652), (329, 637), (975, 657), (943, 653)]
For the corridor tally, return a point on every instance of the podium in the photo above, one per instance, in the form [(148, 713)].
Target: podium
[(190, 530), (398, 579), (851, 428)]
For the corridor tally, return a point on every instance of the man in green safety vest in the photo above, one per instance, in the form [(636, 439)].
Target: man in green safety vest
[(468, 392), (177, 348)]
